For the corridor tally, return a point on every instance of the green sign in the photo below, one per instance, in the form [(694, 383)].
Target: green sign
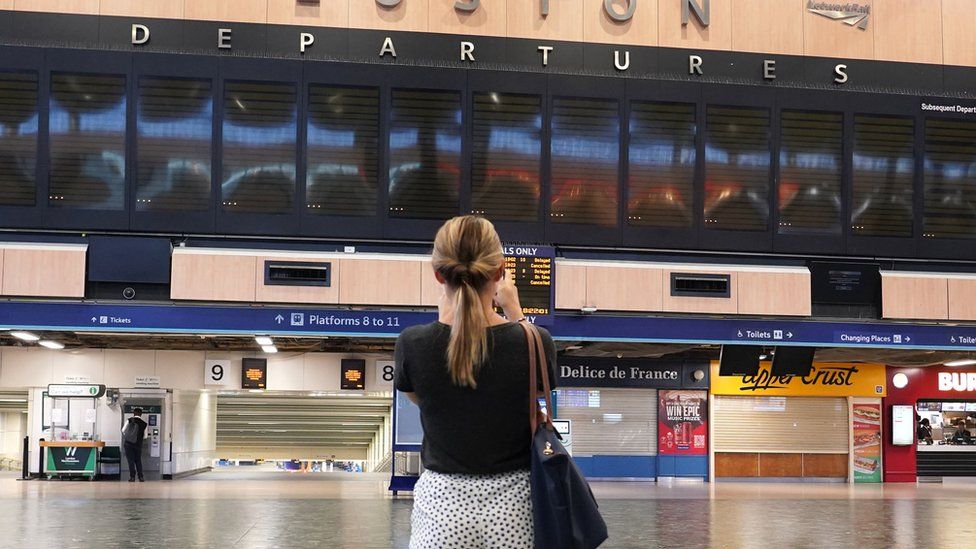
[(70, 459)]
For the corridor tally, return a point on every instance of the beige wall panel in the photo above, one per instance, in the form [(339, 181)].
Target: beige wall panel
[(189, 278), (213, 277), (324, 13), (244, 11), (570, 286), (43, 273), (622, 288), (165, 9), (716, 36), (430, 289), (234, 278), (922, 297), (908, 30), (565, 20), (380, 282), (296, 294), (958, 36), (962, 299), (57, 6), (641, 30), (829, 38), (767, 26), (410, 15), (774, 293), (716, 305), (6, 4), (490, 19)]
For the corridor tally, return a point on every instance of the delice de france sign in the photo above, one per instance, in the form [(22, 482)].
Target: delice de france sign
[(66, 390), (629, 372)]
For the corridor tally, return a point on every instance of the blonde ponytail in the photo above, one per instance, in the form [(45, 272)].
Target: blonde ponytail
[(467, 254)]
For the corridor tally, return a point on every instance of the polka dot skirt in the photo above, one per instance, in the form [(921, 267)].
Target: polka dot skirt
[(472, 511)]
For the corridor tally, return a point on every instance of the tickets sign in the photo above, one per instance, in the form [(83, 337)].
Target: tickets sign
[(825, 379)]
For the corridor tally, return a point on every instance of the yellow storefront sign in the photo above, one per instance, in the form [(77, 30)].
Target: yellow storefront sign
[(826, 379)]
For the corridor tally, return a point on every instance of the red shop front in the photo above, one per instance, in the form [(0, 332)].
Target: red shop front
[(945, 398)]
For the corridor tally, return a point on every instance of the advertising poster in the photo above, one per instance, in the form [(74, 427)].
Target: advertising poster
[(866, 419), (682, 423)]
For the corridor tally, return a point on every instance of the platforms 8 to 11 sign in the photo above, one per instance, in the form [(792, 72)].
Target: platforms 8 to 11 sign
[(533, 268)]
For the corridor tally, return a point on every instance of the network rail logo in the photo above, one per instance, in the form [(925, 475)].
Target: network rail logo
[(853, 14)]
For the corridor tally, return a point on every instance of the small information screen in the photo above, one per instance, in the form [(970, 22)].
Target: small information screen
[(254, 373), (534, 270), (353, 375)]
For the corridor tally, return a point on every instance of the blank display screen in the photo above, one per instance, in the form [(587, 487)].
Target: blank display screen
[(87, 139), (425, 154), (811, 161), (884, 171), (174, 129), (260, 125), (342, 140), (737, 160), (662, 164), (18, 138), (950, 179), (507, 151), (585, 161)]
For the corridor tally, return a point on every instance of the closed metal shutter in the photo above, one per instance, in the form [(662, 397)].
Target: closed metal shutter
[(610, 422), (807, 425)]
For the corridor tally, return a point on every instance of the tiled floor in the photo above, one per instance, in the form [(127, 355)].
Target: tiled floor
[(296, 511)]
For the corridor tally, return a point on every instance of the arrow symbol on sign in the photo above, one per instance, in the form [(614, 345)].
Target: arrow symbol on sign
[(789, 335), (279, 319), (94, 319), (908, 339)]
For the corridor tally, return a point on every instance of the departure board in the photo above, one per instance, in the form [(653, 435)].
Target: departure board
[(534, 271)]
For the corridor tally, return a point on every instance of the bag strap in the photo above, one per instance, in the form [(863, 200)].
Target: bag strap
[(538, 367)]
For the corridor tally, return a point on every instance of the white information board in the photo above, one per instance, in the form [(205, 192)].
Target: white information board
[(902, 425)]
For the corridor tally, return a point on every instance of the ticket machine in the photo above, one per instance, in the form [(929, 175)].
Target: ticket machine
[(154, 452)]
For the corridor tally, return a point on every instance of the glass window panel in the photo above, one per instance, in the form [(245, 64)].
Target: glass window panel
[(343, 140), (425, 154), (950, 179), (585, 161), (87, 140), (811, 165), (507, 151), (884, 170), (259, 147), (662, 165), (737, 160), (18, 138), (174, 129)]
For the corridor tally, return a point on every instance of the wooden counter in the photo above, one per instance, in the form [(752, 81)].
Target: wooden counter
[(72, 444)]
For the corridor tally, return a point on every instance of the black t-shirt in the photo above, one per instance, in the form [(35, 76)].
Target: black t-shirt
[(474, 431)]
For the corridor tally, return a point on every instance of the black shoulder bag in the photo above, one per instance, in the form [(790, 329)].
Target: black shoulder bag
[(564, 511)]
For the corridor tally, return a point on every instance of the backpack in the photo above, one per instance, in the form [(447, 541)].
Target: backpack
[(130, 433)]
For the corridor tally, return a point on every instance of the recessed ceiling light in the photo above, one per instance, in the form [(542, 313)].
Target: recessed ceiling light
[(961, 362), (269, 349), (263, 340), (25, 336), (52, 344)]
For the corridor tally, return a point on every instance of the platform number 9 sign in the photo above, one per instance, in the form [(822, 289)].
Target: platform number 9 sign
[(384, 373), (215, 372)]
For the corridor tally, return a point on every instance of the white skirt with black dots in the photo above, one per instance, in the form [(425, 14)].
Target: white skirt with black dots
[(472, 511)]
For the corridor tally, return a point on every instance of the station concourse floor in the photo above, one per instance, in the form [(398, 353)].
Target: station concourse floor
[(264, 510)]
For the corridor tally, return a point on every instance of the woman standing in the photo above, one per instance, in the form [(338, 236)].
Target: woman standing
[(468, 372)]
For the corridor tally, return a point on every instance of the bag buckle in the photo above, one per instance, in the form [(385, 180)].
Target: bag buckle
[(548, 451)]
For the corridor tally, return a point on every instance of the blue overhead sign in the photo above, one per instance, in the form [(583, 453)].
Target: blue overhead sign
[(384, 323)]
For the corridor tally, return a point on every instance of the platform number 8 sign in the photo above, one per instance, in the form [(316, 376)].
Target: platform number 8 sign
[(384, 373), (215, 372)]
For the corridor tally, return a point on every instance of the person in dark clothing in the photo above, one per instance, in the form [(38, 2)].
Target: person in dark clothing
[(469, 374), (961, 435), (924, 431), (132, 436)]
